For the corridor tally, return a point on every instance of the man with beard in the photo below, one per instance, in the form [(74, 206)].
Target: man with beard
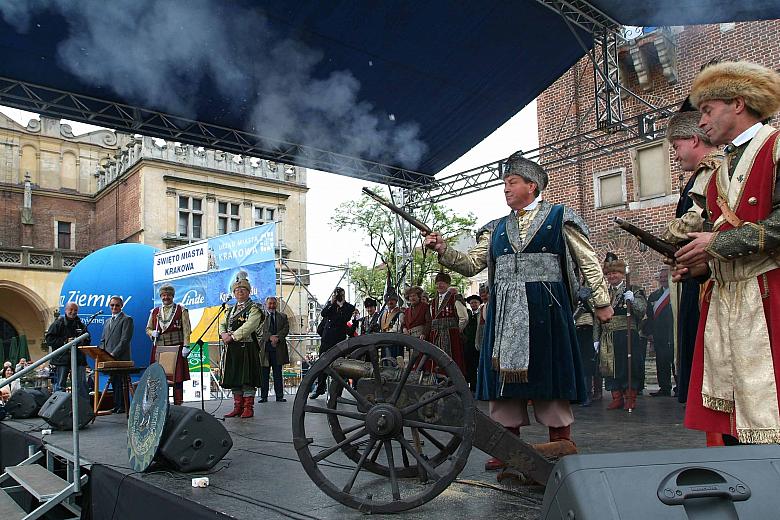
[(169, 326), (61, 331)]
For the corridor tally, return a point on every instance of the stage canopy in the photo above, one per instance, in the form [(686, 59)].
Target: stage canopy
[(385, 90)]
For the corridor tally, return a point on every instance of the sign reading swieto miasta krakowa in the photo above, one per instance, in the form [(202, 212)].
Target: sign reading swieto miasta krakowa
[(182, 261)]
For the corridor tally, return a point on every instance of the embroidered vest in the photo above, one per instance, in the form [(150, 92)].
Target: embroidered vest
[(173, 334)]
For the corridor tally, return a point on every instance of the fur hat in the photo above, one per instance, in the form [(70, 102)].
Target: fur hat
[(241, 281), (612, 264), (684, 126), (516, 164), (441, 276), (168, 288), (473, 297), (759, 86)]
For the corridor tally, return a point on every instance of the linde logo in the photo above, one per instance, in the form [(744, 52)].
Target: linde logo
[(192, 297), (90, 300)]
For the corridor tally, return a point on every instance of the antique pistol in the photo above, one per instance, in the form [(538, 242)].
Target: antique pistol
[(411, 219), (653, 242)]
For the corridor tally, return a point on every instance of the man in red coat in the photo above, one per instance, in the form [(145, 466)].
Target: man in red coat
[(736, 363), (448, 318), (169, 325)]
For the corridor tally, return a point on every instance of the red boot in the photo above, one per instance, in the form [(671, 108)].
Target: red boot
[(493, 463), (238, 406), (249, 407), (617, 400), (560, 443), (630, 403)]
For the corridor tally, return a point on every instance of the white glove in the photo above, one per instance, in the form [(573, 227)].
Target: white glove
[(628, 296), (596, 346), (155, 334), (185, 351)]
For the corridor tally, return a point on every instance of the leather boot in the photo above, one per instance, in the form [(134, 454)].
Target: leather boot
[(617, 400), (493, 463), (249, 407), (560, 443), (598, 387), (178, 396), (630, 400), (238, 406)]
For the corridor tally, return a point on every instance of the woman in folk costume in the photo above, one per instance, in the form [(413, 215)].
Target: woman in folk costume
[(169, 326), (735, 372), (238, 330), (417, 316), (614, 336)]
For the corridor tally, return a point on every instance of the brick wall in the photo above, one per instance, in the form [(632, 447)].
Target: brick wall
[(569, 100), (118, 213)]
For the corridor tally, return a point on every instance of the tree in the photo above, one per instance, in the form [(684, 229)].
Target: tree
[(378, 227)]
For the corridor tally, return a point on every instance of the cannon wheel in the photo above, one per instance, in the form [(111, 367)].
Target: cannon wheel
[(368, 475)]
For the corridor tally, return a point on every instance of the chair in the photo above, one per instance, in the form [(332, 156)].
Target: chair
[(168, 358)]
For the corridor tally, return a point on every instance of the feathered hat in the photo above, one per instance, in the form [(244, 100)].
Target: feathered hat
[(241, 281), (612, 264), (759, 86)]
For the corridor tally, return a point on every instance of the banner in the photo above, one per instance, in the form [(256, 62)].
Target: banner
[(202, 273)]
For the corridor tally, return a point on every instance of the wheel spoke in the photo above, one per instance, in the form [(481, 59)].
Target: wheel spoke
[(330, 411), (329, 451), (420, 459), (455, 430), (352, 428), (435, 397), (421, 367), (348, 487), (431, 438), (405, 458), (344, 400), (404, 376), (375, 455), (358, 397), (372, 355), (391, 468)]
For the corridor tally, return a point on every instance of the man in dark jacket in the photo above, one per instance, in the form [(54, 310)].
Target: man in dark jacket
[(64, 329), (661, 328), (117, 335), (336, 314)]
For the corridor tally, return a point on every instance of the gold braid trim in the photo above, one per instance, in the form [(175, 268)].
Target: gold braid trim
[(759, 436), (718, 404), (514, 376)]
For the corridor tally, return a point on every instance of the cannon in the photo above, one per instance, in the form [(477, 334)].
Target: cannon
[(400, 427)]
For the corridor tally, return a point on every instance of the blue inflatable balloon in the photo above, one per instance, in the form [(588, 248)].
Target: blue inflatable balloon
[(121, 269)]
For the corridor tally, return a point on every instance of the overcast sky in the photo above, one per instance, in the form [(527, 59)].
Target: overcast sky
[(327, 191)]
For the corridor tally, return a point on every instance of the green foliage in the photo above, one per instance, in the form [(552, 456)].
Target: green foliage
[(377, 227)]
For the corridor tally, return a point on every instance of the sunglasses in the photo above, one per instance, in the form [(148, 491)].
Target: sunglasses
[(114, 305)]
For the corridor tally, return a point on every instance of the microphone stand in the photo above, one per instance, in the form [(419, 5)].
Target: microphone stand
[(629, 311), (200, 343)]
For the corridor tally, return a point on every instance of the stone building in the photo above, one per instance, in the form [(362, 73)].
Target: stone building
[(642, 183), (63, 196)]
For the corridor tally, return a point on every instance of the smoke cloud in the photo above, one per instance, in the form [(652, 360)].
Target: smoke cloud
[(162, 53)]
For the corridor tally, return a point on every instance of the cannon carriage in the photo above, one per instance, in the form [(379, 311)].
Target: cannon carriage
[(400, 427)]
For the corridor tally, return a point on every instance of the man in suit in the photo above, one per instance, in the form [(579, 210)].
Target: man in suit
[(661, 328), (117, 334), (335, 315), (274, 353)]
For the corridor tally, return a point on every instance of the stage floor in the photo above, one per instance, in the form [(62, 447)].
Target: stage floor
[(261, 476)]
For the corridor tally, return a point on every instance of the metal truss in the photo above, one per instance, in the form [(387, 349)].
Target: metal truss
[(582, 14), (646, 127), (606, 71), (125, 118)]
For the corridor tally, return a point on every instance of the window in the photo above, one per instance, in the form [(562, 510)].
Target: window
[(651, 171), (228, 217), (609, 188), (190, 217), (264, 215), (64, 234)]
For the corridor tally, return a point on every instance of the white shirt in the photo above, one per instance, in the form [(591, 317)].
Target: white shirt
[(748, 134)]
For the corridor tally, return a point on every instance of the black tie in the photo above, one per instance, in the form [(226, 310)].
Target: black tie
[(273, 323)]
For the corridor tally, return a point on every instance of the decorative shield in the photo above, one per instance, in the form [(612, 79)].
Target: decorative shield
[(148, 413)]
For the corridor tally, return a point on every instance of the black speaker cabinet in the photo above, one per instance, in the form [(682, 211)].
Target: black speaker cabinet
[(193, 440), (735, 482), (25, 402), (58, 411)]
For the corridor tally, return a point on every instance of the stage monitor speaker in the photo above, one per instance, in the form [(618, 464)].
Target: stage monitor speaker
[(736, 482), (58, 411), (193, 440), (25, 402)]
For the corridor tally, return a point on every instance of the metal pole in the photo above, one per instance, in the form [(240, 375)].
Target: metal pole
[(74, 401), (629, 309)]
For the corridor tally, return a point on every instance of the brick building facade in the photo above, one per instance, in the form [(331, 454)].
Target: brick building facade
[(659, 66)]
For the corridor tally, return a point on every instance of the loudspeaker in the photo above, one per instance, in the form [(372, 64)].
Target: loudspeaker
[(58, 411), (193, 440), (25, 402), (703, 483)]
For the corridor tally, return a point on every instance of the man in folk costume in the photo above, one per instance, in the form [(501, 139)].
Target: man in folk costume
[(369, 323), (448, 318), (238, 330), (660, 325), (736, 363), (614, 336), (391, 319), (169, 326), (417, 315), (529, 349), (694, 152)]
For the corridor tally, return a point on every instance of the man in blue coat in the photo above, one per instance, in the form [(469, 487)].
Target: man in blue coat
[(529, 349)]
